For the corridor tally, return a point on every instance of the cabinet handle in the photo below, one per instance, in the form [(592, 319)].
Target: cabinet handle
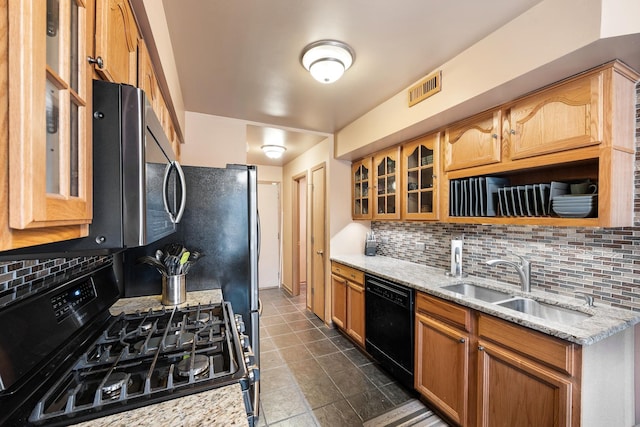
[(480, 348), (98, 61), (462, 340)]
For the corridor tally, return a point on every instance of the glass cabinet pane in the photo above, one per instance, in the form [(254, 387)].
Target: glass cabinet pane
[(365, 189), (365, 173), (412, 180), (365, 206), (391, 165), (53, 139), (74, 154), (412, 202), (381, 168), (53, 35), (357, 175), (427, 156), (381, 185), (412, 160), (391, 204), (74, 60), (391, 184), (426, 201), (426, 178)]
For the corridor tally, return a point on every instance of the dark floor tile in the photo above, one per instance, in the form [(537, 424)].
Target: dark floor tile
[(322, 347), (295, 353), (376, 375), (301, 325), (271, 320), (288, 308), (306, 370), (357, 357), (286, 403), (342, 342), (286, 340), (272, 380), (339, 413), (329, 331), (310, 335), (320, 392), (334, 361), (397, 393), (370, 403), (317, 321), (350, 381), (304, 420), (270, 359), (294, 316), (280, 329)]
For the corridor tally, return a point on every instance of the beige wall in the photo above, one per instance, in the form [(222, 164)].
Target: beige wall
[(551, 41), (213, 141)]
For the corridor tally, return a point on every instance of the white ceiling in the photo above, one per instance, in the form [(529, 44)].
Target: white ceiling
[(241, 58)]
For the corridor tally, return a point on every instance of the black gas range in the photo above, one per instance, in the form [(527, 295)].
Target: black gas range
[(64, 359)]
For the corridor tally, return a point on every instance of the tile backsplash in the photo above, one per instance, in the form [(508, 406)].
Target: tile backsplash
[(602, 261)]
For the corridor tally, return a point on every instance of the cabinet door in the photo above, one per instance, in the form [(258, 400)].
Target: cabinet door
[(339, 301), (355, 312), (442, 367), (361, 189), (49, 151), (420, 178), (116, 41), (147, 78), (567, 117), (474, 142), (386, 201), (513, 391)]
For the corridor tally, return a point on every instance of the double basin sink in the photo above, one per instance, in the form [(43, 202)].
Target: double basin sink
[(520, 304)]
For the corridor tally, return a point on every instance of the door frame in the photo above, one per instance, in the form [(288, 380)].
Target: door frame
[(295, 232), (326, 295)]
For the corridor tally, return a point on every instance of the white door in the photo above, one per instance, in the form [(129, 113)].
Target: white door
[(269, 210)]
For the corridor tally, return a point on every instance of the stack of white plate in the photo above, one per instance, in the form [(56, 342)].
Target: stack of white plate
[(575, 205)]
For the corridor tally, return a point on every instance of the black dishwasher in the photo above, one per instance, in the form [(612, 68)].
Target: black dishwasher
[(389, 325)]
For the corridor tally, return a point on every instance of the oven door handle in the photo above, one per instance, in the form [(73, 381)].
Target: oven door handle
[(165, 194)]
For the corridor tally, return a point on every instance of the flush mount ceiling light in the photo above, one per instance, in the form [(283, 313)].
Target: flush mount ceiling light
[(273, 151), (327, 60)]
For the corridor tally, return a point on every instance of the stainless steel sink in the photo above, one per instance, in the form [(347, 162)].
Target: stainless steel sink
[(545, 311), (477, 292)]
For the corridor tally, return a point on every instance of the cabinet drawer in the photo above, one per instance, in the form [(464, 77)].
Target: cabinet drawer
[(443, 310), (352, 274), (550, 351)]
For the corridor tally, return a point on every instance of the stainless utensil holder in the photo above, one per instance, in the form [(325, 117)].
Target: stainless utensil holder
[(174, 289)]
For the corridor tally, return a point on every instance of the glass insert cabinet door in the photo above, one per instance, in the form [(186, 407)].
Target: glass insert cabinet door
[(361, 194), (420, 166), (386, 167), (50, 103)]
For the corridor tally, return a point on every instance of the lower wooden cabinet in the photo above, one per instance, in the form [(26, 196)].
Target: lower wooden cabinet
[(478, 370), (347, 301)]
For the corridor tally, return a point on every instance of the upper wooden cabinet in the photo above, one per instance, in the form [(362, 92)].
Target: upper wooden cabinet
[(386, 168), (420, 163), (116, 41), (361, 189), (563, 118), (473, 142), (47, 152), (147, 80)]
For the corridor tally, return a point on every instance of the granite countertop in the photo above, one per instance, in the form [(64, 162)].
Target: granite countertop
[(218, 407), (604, 321)]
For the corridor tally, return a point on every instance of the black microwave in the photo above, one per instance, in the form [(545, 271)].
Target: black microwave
[(139, 189)]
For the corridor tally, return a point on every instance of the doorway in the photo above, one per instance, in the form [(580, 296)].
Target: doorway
[(299, 237), (317, 241), (269, 263)]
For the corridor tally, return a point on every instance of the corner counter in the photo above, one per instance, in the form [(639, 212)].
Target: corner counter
[(604, 322)]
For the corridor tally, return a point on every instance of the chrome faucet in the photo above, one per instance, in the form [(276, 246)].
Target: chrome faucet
[(523, 268)]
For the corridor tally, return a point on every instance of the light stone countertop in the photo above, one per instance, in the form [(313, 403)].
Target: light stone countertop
[(218, 407), (604, 321)]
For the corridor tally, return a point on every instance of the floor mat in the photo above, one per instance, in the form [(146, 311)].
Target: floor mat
[(413, 413)]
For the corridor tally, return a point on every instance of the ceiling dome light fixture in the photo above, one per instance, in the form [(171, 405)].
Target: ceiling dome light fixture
[(273, 151), (327, 60)]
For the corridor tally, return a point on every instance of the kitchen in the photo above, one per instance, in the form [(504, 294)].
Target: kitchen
[(551, 248)]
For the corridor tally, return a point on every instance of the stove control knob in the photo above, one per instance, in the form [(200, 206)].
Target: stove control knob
[(239, 323), (244, 341)]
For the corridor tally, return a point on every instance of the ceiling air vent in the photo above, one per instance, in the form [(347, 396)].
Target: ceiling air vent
[(428, 86)]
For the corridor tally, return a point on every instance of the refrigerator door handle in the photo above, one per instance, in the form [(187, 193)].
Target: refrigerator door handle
[(259, 233), (165, 195)]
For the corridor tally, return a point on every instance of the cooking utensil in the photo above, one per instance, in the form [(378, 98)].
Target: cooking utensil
[(159, 255), (183, 260), (149, 260)]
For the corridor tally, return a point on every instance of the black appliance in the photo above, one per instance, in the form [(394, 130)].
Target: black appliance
[(139, 193), (64, 359), (389, 324), (221, 221)]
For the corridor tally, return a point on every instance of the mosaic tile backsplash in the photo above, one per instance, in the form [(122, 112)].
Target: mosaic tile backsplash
[(602, 261)]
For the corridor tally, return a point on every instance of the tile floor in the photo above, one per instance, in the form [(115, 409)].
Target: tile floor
[(311, 375)]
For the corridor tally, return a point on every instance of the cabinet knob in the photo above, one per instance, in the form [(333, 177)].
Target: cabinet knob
[(494, 135), (462, 340), (480, 348), (98, 61), (512, 131), (320, 252)]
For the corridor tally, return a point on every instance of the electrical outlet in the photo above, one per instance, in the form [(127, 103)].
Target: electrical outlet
[(420, 246), (384, 240)]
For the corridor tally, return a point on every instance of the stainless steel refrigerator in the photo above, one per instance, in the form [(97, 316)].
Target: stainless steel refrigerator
[(221, 221)]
